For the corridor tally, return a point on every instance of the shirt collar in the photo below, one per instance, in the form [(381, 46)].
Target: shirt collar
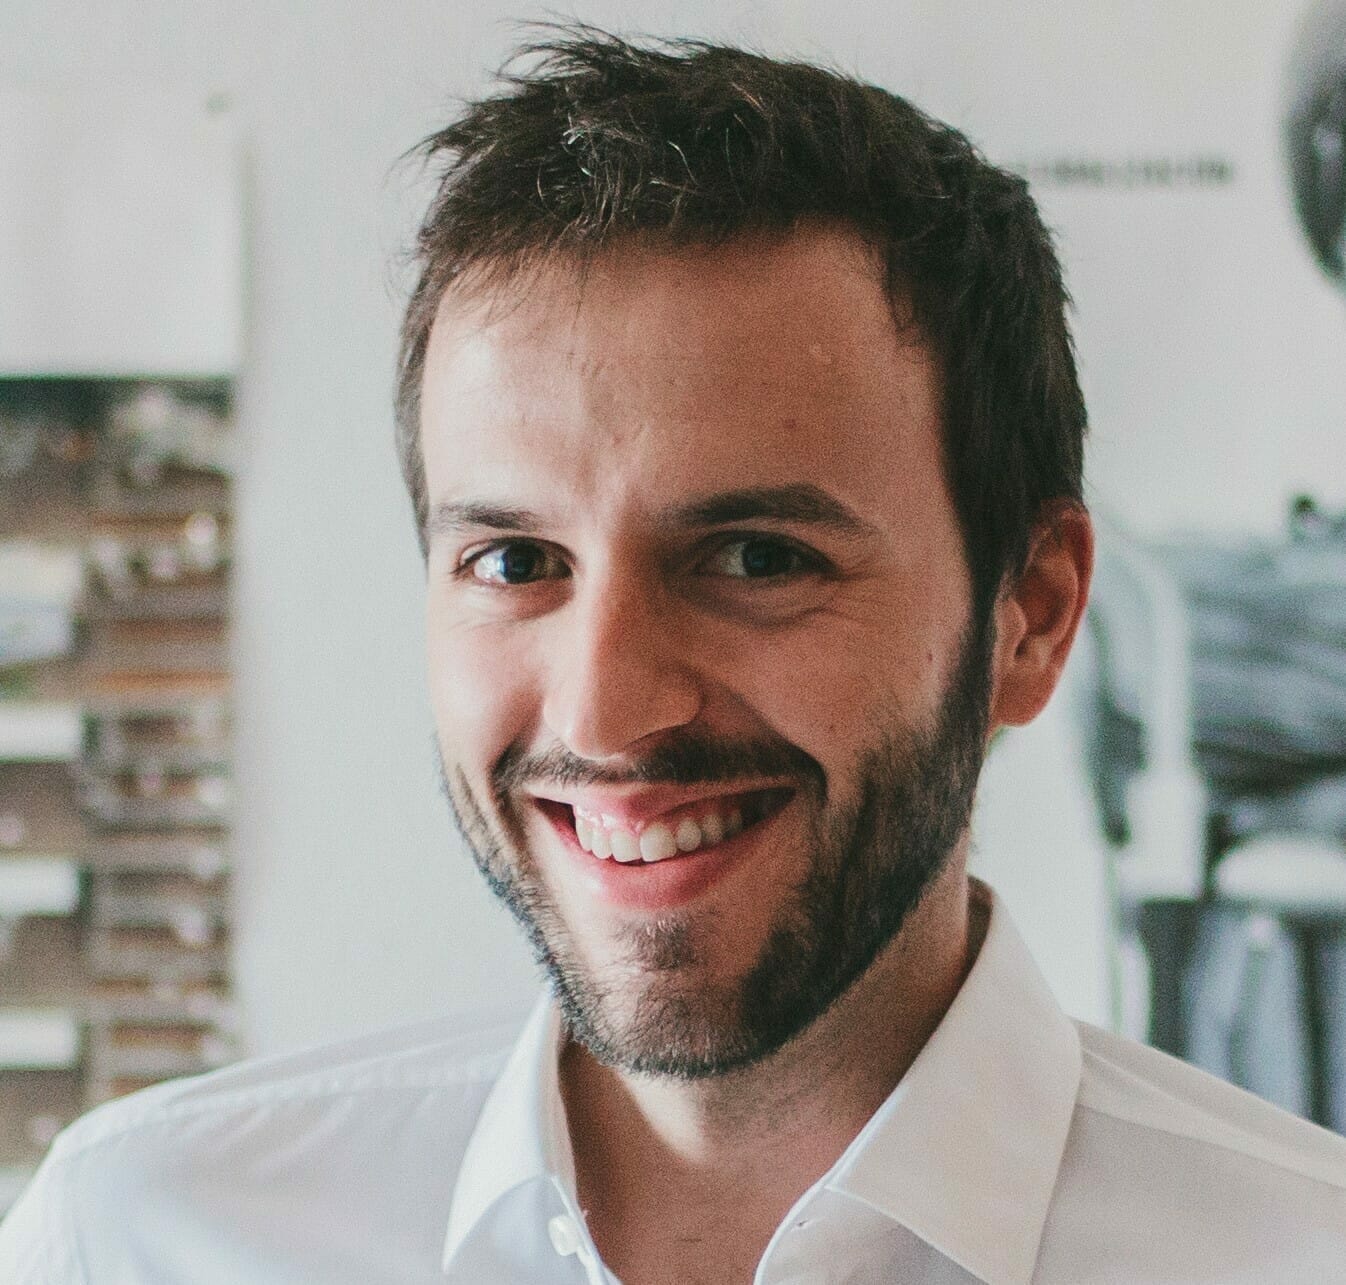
[(966, 1149), (964, 1152), (521, 1133)]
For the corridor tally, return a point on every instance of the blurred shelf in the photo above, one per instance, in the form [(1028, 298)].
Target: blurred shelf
[(201, 854), (38, 884), (39, 1038), (171, 1003), (155, 955), (158, 1050), (43, 965), (116, 555), (180, 494), (205, 600), (34, 1107), (39, 808), (195, 913), (37, 731), (158, 800)]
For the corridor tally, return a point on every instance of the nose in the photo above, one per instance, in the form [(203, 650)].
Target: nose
[(618, 674)]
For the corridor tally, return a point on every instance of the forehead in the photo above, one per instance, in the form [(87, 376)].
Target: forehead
[(762, 361)]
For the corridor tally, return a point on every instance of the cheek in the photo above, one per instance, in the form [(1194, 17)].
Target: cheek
[(832, 687), (482, 689)]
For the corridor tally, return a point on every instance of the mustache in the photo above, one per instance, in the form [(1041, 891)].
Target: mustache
[(682, 759)]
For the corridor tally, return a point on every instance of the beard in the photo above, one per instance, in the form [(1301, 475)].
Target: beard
[(871, 860)]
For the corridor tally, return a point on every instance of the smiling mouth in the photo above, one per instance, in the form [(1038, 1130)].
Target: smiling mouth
[(681, 832)]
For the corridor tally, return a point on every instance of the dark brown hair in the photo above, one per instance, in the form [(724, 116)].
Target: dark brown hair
[(594, 138)]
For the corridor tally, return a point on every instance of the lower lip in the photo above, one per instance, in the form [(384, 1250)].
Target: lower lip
[(660, 885)]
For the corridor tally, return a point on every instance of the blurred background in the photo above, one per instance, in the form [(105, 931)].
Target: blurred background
[(220, 830)]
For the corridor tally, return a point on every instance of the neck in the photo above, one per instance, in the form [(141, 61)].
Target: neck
[(766, 1133)]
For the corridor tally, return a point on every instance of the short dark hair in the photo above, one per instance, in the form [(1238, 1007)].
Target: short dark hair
[(594, 138)]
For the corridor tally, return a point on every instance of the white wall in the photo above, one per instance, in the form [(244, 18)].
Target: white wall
[(1211, 399)]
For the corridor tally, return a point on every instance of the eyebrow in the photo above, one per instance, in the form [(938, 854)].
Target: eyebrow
[(799, 502), (447, 518)]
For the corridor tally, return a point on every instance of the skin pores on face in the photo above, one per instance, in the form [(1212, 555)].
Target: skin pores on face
[(690, 547)]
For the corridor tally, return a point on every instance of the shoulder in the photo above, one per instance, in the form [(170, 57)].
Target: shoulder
[(1184, 1177), (456, 1061), (362, 1137), (1152, 1093)]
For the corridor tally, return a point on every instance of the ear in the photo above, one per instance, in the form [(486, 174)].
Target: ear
[(1038, 614)]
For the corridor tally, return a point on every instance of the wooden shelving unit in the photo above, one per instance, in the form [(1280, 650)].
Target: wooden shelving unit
[(115, 782)]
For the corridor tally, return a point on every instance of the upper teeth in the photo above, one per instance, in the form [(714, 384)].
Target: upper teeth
[(656, 842)]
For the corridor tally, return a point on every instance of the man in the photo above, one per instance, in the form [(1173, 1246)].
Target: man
[(740, 418)]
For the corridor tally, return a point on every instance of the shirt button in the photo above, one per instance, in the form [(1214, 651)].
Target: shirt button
[(564, 1235)]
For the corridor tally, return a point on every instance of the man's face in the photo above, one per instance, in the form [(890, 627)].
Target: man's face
[(709, 700)]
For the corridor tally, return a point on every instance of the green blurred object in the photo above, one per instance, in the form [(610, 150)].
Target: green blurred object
[(1315, 134)]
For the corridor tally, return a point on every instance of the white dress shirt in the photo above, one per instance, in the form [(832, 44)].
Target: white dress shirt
[(1018, 1147)]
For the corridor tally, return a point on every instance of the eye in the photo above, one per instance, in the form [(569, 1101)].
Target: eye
[(516, 562), (760, 558)]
